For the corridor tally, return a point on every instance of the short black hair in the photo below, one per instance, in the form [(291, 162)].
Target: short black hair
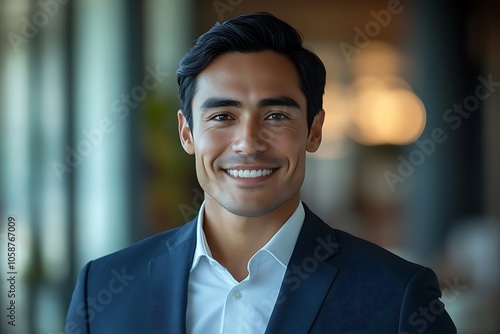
[(252, 33)]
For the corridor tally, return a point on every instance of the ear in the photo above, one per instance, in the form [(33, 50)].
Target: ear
[(185, 134), (315, 134)]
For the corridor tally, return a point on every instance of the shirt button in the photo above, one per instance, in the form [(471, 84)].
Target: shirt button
[(213, 264), (237, 294)]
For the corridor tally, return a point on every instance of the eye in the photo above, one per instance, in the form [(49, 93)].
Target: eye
[(277, 116), (221, 117)]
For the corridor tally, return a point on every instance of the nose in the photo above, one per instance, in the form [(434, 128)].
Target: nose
[(250, 138)]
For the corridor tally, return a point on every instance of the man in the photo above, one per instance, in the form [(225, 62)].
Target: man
[(256, 259)]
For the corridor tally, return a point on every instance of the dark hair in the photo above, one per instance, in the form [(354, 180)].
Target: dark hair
[(246, 34)]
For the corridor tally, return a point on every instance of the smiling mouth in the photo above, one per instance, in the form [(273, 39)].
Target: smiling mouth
[(250, 173)]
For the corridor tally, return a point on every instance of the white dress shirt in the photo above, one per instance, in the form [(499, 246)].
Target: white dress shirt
[(217, 303)]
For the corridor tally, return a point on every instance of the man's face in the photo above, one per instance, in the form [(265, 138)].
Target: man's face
[(250, 133)]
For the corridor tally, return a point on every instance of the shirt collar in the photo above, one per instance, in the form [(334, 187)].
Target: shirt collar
[(202, 249), (283, 242), (280, 246)]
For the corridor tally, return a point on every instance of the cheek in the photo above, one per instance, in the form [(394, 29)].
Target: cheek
[(290, 146), (209, 146)]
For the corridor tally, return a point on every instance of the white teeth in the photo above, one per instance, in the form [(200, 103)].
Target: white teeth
[(247, 173)]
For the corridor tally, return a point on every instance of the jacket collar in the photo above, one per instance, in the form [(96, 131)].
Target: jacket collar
[(168, 281), (308, 278)]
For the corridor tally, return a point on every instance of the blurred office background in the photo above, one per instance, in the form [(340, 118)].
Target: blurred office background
[(91, 161)]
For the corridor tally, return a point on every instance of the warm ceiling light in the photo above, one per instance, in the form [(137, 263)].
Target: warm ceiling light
[(385, 115)]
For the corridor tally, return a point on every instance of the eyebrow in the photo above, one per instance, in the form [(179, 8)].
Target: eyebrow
[(278, 101), (216, 102)]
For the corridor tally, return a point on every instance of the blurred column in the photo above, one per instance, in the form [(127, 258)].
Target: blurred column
[(487, 49), (168, 31), (447, 186), (98, 150), (15, 153), (51, 189)]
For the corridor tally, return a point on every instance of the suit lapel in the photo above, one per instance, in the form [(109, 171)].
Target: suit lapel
[(168, 282), (307, 280)]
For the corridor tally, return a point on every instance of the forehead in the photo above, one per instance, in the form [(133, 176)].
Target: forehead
[(249, 77)]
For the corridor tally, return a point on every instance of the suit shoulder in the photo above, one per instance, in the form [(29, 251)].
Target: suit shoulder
[(358, 251), (146, 249), (359, 255)]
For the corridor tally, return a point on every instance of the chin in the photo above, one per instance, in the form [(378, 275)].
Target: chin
[(246, 209)]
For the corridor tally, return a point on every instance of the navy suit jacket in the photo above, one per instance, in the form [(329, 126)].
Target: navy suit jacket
[(335, 283)]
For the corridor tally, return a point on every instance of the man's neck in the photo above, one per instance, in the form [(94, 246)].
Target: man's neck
[(234, 239)]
